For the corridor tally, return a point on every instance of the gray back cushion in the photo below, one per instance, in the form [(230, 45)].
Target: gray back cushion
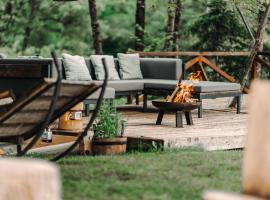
[(129, 66), (75, 68), (96, 60)]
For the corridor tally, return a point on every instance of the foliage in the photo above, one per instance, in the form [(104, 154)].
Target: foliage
[(219, 29), (65, 26), (51, 25), (108, 122), (184, 174)]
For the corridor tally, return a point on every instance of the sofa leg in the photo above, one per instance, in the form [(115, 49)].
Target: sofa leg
[(86, 109), (137, 99), (129, 99), (145, 103), (200, 109), (238, 105)]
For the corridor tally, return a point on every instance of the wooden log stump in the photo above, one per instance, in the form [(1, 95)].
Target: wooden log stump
[(29, 180)]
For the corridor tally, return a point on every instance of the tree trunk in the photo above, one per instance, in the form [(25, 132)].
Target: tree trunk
[(170, 26), (177, 25), (139, 25), (258, 43), (28, 28), (97, 41), (258, 66)]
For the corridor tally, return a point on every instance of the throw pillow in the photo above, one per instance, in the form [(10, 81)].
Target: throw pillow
[(75, 68), (129, 66), (99, 69)]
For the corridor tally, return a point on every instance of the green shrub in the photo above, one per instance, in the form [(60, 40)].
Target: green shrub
[(108, 122)]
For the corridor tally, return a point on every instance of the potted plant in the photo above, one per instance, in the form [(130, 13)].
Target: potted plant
[(108, 132)]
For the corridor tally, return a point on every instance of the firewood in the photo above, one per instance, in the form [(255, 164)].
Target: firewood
[(170, 99)]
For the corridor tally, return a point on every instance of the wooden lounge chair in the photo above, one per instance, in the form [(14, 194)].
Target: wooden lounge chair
[(29, 115), (256, 164)]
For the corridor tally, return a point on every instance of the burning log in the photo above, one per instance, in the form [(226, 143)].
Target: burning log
[(176, 90), (182, 93)]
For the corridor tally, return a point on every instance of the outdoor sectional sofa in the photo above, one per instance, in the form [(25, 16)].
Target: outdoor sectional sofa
[(160, 76)]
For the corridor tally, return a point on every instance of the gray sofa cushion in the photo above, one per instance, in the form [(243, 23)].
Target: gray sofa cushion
[(202, 86), (127, 85), (211, 86), (129, 66), (160, 84), (109, 94), (99, 69), (161, 68), (75, 68)]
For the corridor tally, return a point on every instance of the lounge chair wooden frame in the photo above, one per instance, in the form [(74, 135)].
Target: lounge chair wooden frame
[(28, 116)]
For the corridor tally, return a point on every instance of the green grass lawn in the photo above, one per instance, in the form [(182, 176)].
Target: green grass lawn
[(160, 175)]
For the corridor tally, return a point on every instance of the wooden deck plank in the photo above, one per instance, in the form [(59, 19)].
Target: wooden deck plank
[(220, 128)]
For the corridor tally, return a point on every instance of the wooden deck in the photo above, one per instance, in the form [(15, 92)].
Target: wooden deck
[(219, 129)]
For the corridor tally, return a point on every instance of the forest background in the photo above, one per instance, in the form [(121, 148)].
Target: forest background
[(34, 27)]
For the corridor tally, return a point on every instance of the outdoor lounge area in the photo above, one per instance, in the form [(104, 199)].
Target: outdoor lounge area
[(134, 99)]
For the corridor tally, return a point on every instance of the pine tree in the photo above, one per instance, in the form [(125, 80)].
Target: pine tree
[(220, 29), (139, 25), (97, 41)]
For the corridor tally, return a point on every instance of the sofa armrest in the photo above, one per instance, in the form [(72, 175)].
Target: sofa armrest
[(161, 68)]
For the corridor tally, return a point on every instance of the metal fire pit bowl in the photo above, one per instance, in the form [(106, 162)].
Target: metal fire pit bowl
[(178, 108), (173, 106)]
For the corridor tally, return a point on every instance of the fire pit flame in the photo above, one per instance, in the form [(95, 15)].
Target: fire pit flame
[(195, 76), (183, 91)]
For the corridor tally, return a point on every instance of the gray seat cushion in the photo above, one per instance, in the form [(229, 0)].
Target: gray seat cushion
[(109, 94), (202, 86), (211, 86), (160, 84), (127, 85)]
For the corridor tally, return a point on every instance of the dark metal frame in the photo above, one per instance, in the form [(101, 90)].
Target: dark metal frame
[(214, 95), (200, 96), (178, 118)]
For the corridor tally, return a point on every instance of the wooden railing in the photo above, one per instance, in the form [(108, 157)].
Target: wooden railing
[(200, 60)]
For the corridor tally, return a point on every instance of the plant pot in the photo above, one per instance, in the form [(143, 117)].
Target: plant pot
[(109, 146)]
